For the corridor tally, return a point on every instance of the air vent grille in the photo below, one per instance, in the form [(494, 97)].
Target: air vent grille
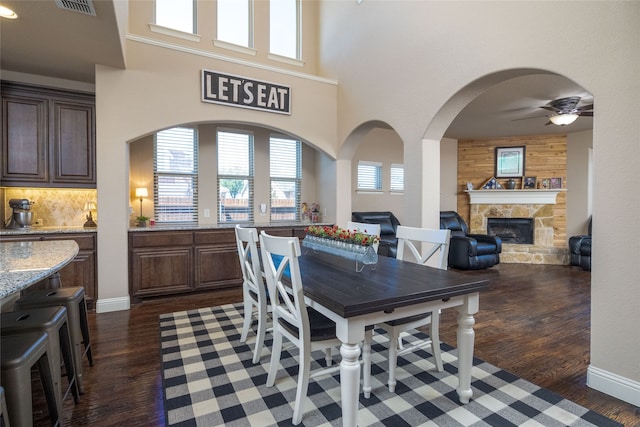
[(82, 6)]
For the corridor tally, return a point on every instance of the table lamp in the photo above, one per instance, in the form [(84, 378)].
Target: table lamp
[(141, 192), (90, 207)]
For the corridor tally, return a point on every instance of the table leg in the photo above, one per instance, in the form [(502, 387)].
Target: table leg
[(465, 352), (350, 383)]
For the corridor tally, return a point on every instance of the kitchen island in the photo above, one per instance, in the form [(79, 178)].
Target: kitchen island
[(23, 264)]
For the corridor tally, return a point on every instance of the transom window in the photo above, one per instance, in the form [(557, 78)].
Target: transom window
[(176, 14), (175, 175), (285, 168), (235, 22), (235, 176), (284, 28)]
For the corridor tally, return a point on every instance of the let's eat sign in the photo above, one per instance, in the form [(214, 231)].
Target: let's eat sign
[(244, 92)]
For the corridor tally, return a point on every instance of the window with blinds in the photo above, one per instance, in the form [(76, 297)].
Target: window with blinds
[(235, 22), (176, 14), (369, 176), (396, 174), (235, 176), (175, 175), (285, 169)]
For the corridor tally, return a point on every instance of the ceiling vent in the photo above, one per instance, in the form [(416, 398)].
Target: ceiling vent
[(82, 6)]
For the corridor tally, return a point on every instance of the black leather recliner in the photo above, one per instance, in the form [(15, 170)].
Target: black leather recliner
[(469, 251), (580, 250), (388, 225)]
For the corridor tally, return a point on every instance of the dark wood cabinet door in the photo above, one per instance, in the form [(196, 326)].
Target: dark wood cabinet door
[(24, 139), (217, 267), (160, 271), (72, 143)]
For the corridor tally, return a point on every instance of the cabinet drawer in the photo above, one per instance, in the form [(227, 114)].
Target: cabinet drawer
[(85, 242), (215, 237), (154, 239)]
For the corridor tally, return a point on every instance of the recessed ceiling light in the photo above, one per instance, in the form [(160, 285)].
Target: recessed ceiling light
[(5, 12)]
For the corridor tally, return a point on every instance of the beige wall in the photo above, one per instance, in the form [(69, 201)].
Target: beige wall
[(432, 58), (579, 149)]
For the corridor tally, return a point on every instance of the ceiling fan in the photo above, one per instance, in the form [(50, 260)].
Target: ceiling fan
[(566, 110)]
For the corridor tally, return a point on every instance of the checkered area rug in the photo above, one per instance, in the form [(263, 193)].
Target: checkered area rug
[(210, 380)]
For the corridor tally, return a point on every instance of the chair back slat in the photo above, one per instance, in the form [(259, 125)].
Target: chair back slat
[(282, 271), (431, 241), (247, 240)]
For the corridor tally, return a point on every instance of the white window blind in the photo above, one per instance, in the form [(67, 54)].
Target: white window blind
[(235, 22), (177, 14), (396, 174), (284, 28), (369, 175), (235, 176), (285, 168), (176, 175)]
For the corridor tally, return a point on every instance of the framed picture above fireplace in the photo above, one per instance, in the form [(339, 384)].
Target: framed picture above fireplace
[(510, 162)]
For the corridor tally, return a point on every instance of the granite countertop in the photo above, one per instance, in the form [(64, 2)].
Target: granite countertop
[(45, 230), (23, 264), (195, 227)]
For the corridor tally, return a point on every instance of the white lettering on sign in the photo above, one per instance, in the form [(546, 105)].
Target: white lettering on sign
[(244, 92)]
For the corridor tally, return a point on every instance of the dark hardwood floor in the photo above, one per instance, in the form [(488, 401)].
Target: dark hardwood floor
[(533, 322)]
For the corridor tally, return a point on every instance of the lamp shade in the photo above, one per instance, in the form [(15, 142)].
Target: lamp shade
[(90, 206), (563, 119), (141, 192)]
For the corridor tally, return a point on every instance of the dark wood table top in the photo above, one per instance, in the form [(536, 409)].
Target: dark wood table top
[(333, 282)]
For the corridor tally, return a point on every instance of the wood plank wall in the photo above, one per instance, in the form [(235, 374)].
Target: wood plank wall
[(546, 157)]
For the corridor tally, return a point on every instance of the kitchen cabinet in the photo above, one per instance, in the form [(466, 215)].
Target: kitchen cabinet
[(79, 272), (178, 262), (48, 137)]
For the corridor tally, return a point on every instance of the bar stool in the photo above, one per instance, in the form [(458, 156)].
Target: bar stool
[(53, 321), (73, 298), (20, 353), (4, 414)]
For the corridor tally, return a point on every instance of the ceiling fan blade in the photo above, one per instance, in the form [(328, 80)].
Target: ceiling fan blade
[(527, 118), (551, 108), (585, 108), (548, 123), (586, 114)]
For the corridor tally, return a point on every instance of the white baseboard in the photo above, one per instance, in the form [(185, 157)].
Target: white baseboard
[(106, 305), (614, 385)]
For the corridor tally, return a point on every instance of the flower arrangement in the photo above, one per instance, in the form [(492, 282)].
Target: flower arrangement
[(340, 234)]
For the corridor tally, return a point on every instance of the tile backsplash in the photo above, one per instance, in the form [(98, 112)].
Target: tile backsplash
[(56, 207)]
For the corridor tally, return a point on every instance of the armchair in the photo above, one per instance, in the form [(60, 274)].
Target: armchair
[(388, 225), (469, 251), (580, 249)]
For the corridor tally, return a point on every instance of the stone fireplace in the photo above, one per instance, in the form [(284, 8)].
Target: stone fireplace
[(518, 231), (534, 206)]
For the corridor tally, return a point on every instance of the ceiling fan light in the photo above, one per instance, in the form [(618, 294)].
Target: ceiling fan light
[(563, 119)]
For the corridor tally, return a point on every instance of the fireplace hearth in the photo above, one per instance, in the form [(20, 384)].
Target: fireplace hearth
[(512, 230)]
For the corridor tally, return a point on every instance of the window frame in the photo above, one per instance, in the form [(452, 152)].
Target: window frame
[(158, 176), (249, 178), (297, 181), (396, 167), (298, 34), (250, 29), (194, 19), (378, 175)]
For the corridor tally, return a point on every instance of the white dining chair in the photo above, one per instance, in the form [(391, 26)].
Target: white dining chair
[(254, 293), (304, 327), (372, 229), (431, 242)]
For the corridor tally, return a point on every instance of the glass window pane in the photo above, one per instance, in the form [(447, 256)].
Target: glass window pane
[(397, 177), (284, 27), (176, 175), (234, 21), (176, 14), (369, 175), (285, 167), (235, 176)]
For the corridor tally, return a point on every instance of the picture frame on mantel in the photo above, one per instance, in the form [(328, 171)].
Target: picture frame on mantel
[(510, 162), (529, 182)]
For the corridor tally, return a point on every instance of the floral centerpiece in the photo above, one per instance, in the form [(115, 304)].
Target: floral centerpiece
[(342, 235), (350, 244)]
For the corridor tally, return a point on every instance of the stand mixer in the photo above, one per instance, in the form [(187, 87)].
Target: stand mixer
[(22, 215)]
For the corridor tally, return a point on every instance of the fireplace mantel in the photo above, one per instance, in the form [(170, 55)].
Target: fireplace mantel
[(513, 197)]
